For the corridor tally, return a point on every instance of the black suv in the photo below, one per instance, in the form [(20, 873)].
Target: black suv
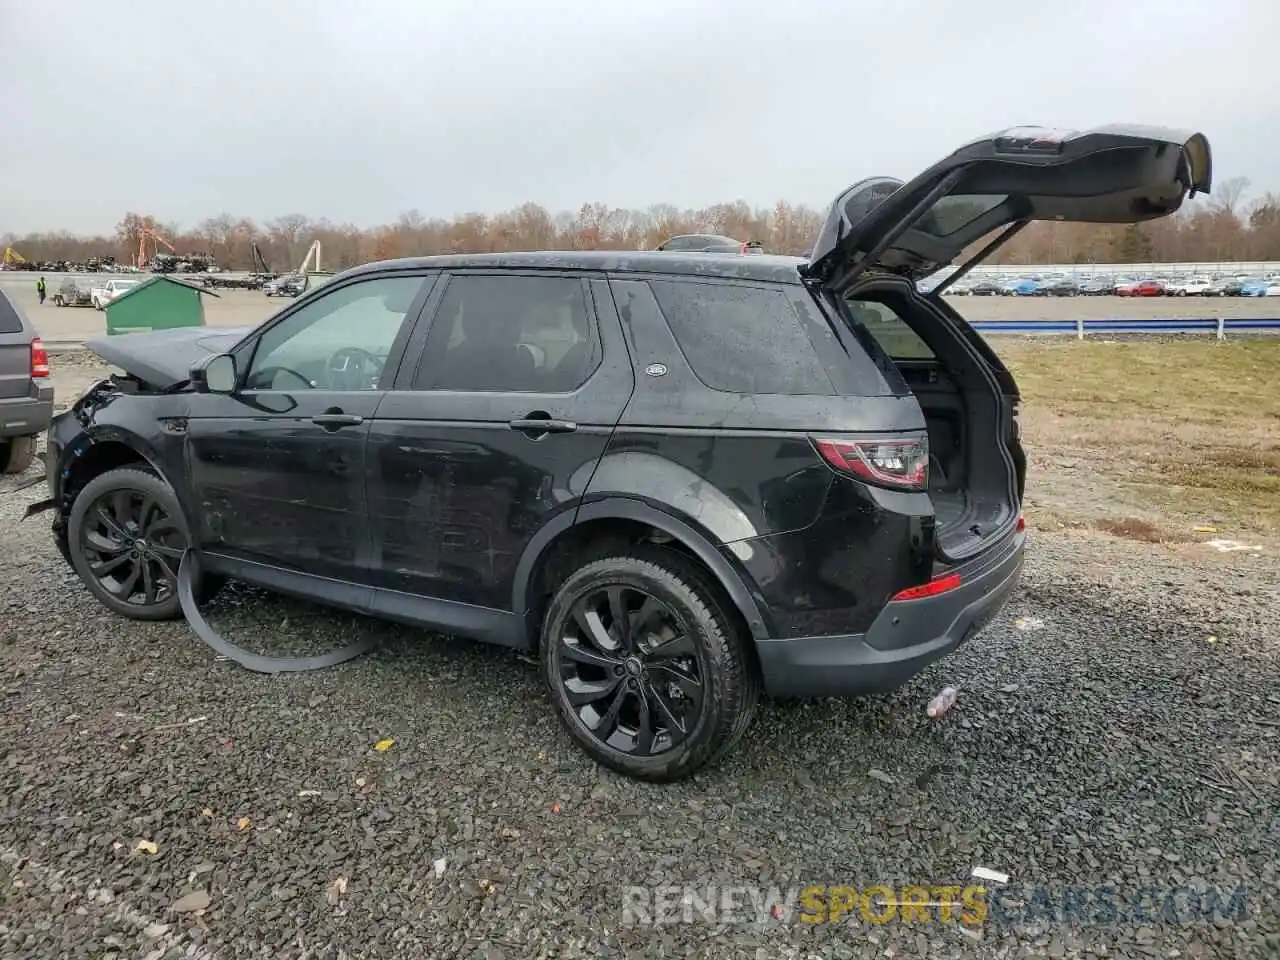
[(678, 478)]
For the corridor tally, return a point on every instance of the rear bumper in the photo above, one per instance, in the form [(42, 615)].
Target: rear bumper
[(906, 637), (24, 416)]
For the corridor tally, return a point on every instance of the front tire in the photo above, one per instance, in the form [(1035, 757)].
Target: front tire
[(648, 670), (126, 535)]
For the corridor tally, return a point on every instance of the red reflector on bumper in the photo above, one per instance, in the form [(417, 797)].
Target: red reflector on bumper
[(1022, 523), (937, 585)]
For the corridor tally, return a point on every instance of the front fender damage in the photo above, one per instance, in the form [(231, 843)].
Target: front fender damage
[(106, 415)]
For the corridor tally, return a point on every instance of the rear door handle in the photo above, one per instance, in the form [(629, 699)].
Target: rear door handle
[(333, 421), (540, 425)]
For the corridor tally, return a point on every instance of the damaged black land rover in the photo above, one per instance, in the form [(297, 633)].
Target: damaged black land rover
[(683, 480)]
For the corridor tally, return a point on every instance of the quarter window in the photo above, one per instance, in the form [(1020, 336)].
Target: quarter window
[(742, 339)]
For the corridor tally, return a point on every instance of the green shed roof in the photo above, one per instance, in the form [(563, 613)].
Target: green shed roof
[(159, 278)]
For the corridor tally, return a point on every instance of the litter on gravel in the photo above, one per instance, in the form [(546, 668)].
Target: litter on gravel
[(986, 873), (944, 701), (1232, 546)]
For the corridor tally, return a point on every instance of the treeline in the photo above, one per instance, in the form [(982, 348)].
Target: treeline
[(1220, 228)]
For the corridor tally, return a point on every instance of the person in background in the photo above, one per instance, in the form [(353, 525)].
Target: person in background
[(40, 289)]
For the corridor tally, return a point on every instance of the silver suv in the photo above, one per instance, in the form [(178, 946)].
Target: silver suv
[(26, 395)]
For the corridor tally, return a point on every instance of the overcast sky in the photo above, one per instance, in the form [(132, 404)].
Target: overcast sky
[(359, 111)]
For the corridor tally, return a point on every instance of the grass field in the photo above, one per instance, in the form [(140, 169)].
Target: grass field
[(1152, 439)]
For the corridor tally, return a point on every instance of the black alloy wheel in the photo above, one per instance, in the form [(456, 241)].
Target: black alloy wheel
[(126, 535), (648, 664), (133, 547), (631, 671)]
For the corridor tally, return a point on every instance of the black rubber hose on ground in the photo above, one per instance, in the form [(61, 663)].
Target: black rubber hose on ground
[(189, 574)]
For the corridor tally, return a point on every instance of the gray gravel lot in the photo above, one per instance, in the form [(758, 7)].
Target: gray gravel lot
[(1102, 739)]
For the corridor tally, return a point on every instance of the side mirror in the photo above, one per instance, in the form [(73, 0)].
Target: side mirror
[(218, 374)]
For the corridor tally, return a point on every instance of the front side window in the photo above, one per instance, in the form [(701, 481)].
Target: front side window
[(514, 334), (339, 341)]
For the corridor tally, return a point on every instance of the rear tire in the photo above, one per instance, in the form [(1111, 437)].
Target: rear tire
[(670, 692), (126, 535), (17, 453)]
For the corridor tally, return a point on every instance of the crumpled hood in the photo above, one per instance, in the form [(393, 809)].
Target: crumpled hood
[(165, 357)]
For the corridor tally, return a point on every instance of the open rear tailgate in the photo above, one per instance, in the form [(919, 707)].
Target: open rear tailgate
[(1114, 174)]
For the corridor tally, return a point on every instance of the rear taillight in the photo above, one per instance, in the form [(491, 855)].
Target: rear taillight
[(900, 462), (1022, 523), (39, 358), (942, 584)]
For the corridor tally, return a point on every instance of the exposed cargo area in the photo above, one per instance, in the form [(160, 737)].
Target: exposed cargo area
[(973, 472)]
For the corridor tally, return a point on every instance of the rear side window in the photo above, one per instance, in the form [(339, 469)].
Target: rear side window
[(742, 339), (10, 322), (512, 334)]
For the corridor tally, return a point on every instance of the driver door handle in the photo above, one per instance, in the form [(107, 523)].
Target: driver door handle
[(539, 425), (334, 421)]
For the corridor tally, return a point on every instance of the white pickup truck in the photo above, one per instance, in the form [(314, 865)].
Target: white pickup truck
[(108, 291)]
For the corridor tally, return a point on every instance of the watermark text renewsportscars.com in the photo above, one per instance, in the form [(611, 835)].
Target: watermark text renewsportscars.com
[(969, 905)]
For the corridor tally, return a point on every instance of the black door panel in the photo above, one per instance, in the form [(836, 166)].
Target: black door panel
[(460, 481), (277, 469), (279, 488), (452, 503)]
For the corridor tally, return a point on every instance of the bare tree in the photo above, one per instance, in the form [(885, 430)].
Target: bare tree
[(1227, 196), (1225, 228), (290, 233)]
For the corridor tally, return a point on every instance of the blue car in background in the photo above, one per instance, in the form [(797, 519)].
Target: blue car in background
[(1024, 287), (1254, 288)]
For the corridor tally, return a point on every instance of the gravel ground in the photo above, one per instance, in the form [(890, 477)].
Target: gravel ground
[(1118, 726)]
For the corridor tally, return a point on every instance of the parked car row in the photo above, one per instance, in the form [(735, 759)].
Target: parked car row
[(1057, 285)]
